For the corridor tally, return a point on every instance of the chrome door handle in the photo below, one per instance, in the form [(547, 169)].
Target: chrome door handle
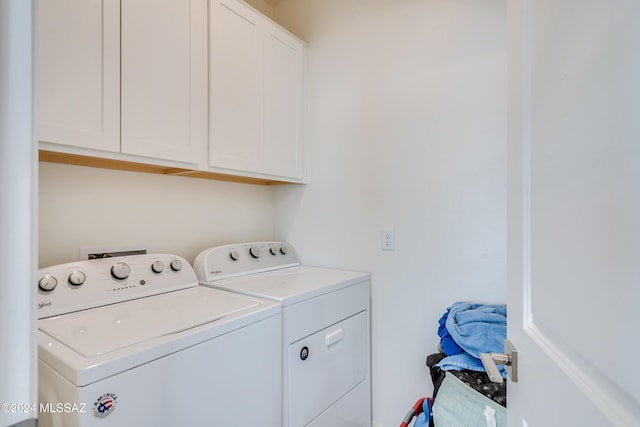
[(509, 359)]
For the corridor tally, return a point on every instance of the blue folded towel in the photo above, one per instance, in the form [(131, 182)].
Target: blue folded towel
[(475, 328), (478, 328), (447, 343)]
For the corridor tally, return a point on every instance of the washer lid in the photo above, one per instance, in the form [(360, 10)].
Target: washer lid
[(105, 329)]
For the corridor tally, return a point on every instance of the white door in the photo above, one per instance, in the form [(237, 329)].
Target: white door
[(18, 213), (574, 212)]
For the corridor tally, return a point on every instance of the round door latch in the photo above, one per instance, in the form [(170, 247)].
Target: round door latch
[(304, 353)]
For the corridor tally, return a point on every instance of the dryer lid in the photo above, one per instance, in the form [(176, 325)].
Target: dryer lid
[(291, 285), (105, 329)]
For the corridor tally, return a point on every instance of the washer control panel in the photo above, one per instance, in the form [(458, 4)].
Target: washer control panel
[(222, 262), (87, 284)]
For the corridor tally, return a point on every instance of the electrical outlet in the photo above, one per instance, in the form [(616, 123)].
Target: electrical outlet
[(387, 240)]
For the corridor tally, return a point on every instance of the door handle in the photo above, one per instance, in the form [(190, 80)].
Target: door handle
[(333, 337), (509, 359)]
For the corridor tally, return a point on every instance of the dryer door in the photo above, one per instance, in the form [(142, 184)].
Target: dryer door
[(325, 366)]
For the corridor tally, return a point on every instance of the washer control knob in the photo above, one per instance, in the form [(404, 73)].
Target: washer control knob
[(77, 278), (234, 255), (254, 251), (273, 251), (157, 266), (176, 265), (47, 283), (283, 250), (120, 270)]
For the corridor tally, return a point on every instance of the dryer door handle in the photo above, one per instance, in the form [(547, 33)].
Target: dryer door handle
[(333, 337)]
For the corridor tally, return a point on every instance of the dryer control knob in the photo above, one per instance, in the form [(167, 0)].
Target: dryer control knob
[(120, 270), (77, 278), (284, 250), (176, 265), (234, 255), (157, 266), (254, 251), (273, 251), (47, 283)]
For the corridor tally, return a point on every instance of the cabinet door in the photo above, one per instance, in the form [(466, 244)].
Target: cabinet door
[(283, 89), (79, 73), (164, 89), (235, 110)]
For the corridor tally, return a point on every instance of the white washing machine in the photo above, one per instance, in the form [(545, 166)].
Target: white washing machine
[(134, 341), (325, 328)]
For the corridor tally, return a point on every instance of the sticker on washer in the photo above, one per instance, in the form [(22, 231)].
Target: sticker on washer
[(105, 405)]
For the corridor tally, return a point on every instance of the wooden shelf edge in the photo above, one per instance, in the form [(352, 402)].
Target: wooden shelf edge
[(98, 162)]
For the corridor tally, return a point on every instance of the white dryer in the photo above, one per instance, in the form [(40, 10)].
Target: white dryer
[(134, 341), (325, 327)]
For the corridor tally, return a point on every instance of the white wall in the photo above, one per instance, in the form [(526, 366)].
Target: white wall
[(87, 207), (406, 129)]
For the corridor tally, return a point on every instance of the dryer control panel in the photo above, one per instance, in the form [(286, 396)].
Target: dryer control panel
[(223, 262), (80, 285)]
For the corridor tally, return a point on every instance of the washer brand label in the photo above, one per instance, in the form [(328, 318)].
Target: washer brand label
[(104, 405), (216, 272), (44, 304)]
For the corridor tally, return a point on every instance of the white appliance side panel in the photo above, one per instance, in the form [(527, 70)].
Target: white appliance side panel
[(54, 390), (234, 379), (326, 366), (353, 410)]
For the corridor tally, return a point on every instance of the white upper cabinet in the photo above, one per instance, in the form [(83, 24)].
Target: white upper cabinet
[(235, 70), (163, 69), (127, 77), (209, 88), (283, 90), (255, 110), (79, 73)]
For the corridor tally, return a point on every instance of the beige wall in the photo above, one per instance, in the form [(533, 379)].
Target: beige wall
[(406, 129), (85, 207)]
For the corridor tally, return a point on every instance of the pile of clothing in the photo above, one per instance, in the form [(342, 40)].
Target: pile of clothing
[(463, 394), (465, 331)]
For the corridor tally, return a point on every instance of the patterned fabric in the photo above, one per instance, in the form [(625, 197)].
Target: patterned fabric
[(460, 406), (478, 381)]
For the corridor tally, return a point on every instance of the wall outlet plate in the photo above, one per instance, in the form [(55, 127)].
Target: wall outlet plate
[(387, 240)]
